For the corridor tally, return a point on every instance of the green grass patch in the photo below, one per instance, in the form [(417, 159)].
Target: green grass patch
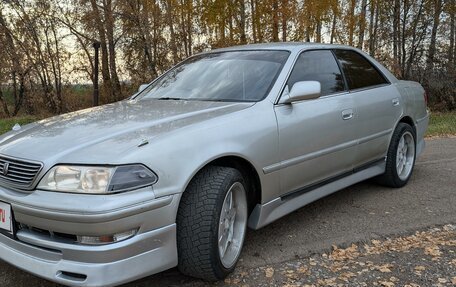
[(442, 124), (7, 124)]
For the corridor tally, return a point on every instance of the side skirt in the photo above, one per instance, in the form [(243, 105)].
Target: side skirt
[(263, 214)]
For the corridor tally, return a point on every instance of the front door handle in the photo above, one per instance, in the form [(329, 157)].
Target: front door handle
[(347, 114)]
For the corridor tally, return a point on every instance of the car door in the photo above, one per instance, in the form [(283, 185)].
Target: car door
[(376, 102), (316, 137)]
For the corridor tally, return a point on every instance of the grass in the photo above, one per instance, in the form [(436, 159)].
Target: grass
[(441, 124), (7, 124)]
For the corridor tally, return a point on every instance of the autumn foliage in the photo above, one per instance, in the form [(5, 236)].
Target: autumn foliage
[(46, 45)]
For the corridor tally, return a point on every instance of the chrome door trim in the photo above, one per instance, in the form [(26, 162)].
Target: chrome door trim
[(374, 136), (309, 156), (297, 160)]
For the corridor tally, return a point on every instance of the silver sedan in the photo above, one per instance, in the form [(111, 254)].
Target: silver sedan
[(173, 176)]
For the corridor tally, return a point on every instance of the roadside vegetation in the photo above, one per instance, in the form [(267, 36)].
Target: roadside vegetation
[(47, 52), (440, 124), (7, 124)]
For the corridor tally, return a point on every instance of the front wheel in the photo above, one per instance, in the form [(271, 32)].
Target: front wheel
[(211, 223), (400, 158)]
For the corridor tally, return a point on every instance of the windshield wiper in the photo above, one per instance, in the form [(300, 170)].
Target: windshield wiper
[(170, 98)]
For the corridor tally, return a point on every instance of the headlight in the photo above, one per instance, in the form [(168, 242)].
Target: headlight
[(96, 179)]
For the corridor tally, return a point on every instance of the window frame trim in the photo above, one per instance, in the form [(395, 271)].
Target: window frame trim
[(337, 94), (295, 60), (388, 82)]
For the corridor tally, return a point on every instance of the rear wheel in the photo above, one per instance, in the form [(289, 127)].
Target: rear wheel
[(211, 223), (401, 157)]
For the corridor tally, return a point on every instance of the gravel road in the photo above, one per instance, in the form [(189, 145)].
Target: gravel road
[(361, 213)]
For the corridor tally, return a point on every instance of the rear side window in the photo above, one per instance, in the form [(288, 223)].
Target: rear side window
[(360, 73), (321, 66)]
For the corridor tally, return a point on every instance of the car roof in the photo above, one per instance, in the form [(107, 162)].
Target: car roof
[(296, 47), (289, 46)]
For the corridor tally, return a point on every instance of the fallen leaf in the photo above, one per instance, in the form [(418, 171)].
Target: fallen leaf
[(384, 268), (442, 280), (433, 251), (269, 272), (420, 268), (303, 269), (387, 284), (346, 276), (326, 282)]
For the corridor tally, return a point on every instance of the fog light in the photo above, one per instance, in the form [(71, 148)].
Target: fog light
[(106, 239)]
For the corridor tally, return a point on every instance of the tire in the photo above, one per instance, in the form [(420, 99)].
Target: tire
[(204, 206), (399, 164)]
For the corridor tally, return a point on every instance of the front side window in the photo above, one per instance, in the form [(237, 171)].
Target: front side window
[(360, 73), (321, 66), (244, 76)]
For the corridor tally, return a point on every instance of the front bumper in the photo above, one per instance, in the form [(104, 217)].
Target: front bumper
[(158, 253), (151, 250)]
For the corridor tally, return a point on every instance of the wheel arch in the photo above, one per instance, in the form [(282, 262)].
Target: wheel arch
[(249, 173), (408, 120), (247, 169)]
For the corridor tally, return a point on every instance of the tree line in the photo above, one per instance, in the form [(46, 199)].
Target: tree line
[(46, 45)]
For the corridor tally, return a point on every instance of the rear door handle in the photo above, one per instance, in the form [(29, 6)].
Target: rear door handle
[(395, 102), (347, 114)]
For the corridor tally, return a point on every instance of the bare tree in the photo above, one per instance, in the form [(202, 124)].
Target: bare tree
[(435, 26)]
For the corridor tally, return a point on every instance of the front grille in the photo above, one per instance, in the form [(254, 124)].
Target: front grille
[(17, 172)]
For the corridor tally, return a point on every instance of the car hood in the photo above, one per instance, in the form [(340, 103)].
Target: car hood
[(105, 134)]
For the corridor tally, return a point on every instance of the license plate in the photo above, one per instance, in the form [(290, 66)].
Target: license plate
[(6, 221)]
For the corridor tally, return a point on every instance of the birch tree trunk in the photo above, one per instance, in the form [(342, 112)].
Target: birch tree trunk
[(351, 22), (396, 19), (435, 26), (451, 49), (362, 24)]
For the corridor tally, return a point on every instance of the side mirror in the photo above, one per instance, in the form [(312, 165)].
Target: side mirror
[(304, 90), (142, 87)]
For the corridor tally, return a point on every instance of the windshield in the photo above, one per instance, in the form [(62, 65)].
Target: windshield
[(225, 76)]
